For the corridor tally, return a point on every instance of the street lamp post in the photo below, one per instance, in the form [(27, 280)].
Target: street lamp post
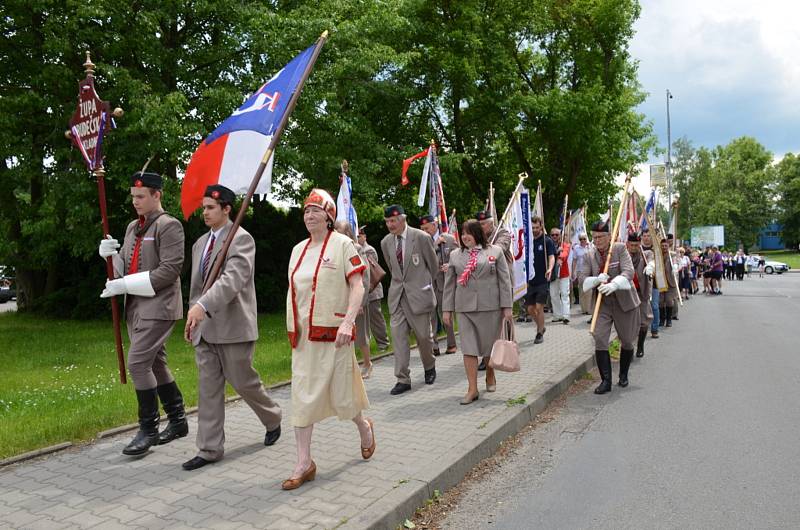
[(669, 159)]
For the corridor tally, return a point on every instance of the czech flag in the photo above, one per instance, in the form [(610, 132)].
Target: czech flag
[(231, 154)]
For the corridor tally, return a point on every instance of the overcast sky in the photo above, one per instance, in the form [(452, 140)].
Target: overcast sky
[(733, 67)]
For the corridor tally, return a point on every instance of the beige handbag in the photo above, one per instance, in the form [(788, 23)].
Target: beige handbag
[(505, 352)]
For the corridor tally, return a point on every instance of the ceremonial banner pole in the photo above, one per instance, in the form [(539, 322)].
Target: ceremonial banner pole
[(88, 124), (212, 276), (522, 176), (614, 235)]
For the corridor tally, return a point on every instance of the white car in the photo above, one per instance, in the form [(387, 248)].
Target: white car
[(771, 267)]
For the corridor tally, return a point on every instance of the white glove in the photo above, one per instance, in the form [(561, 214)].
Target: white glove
[(590, 283), (108, 247), (619, 283), (136, 284), (603, 277), (650, 269), (113, 288)]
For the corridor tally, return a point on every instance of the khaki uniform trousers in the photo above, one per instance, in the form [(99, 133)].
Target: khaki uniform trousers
[(436, 317), (377, 324), (147, 357), (404, 322), (626, 324), (233, 363), (584, 297)]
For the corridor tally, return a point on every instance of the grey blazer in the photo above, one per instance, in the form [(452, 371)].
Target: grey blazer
[(621, 264), (489, 285), (161, 253), (230, 303), (416, 279)]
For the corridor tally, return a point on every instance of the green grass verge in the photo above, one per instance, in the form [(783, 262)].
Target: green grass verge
[(789, 257), (59, 380)]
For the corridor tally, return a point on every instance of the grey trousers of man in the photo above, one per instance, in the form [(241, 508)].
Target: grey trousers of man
[(436, 317), (404, 322), (147, 357), (377, 324), (584, 297), (233, 363), (625, 322)]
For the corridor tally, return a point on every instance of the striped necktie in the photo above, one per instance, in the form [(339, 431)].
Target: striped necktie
[(399, 252), (207, 258)]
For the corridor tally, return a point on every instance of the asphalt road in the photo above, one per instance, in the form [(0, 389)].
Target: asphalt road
[(706, 436)]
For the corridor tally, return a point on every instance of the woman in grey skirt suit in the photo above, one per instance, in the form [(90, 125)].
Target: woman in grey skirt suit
[(477, 286)]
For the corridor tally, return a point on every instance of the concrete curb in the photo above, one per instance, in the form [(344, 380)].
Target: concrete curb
[(391, 510), (36, 452)]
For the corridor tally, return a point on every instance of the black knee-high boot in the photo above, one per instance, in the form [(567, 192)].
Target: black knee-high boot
[(172, 401), (669, 318), (148, 423), (662, 316), (625, 358), (603, 360), (640, 342)]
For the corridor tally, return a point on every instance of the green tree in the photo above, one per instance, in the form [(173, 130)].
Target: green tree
[(788, 204)]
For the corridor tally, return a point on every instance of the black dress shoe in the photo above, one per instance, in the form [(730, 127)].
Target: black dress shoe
[(430, 376), (603, 387), (399, 388), (436, 352), (272, 436), (539, 338), (623, 382), (195, 463), (482, 366)]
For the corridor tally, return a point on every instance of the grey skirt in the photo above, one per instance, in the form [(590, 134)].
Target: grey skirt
[(478, 331)]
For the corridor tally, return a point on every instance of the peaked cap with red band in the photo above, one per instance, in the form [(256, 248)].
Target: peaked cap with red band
[(322, 200)]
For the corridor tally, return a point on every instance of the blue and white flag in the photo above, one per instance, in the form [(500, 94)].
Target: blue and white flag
[(647, 210), (345, 211)]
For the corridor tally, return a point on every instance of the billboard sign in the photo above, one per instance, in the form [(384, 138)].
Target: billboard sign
[(705, 236)]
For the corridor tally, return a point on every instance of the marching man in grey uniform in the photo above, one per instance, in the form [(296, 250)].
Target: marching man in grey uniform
[(644, 268), (222, 326), (148, 271), (444, 244), (413, 265), (377, 325), (619, 306)]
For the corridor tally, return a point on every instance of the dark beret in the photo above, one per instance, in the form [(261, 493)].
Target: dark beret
[(670, 236), (600, 226), (393, 211), (147, 180), (483, 215), (425, 219), (220, 193), (634, 237)]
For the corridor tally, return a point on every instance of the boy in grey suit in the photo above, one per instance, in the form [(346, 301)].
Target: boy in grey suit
[(148, 273), (222, 326), (412, 262)]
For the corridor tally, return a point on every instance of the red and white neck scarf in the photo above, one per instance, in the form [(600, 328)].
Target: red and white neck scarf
[(472, 263)]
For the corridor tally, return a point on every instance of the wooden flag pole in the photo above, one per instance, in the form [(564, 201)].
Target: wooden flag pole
[(215, 270), (614, 235)]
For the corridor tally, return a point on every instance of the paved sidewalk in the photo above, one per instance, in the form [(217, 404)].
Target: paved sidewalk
[(425, 440)]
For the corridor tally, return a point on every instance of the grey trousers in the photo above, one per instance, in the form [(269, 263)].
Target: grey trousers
[(404, 322), (377, 325), (233, 363), (147, 357), (625, 322), (436, 318)]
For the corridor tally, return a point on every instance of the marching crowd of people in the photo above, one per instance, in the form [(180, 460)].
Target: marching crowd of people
[(334, 301)]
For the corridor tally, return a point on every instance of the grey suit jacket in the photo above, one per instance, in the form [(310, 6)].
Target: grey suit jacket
[(161, 253), (230, 303), (640, 261), (443, 251), (621, 264), (489, 285), (502, 238), (419, 270)]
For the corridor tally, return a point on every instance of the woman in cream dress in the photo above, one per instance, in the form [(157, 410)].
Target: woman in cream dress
[(325, 294), (477, 286)]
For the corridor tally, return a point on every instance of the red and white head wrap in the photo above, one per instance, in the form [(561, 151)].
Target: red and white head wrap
[(322, 200)]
